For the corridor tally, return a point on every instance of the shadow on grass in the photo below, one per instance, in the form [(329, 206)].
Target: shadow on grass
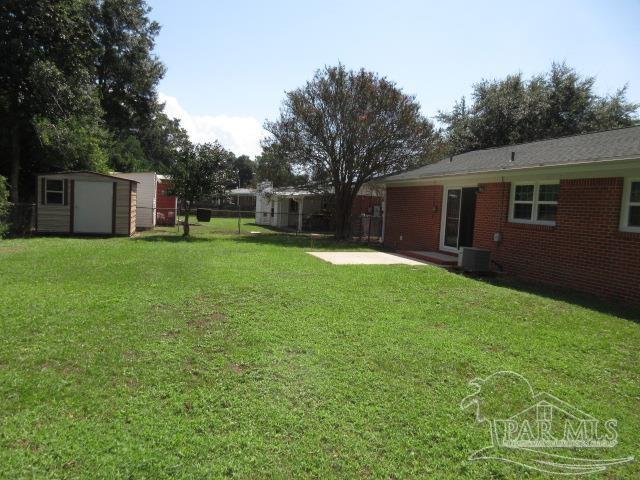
[(178, 238), (591, 302), (304, 240)]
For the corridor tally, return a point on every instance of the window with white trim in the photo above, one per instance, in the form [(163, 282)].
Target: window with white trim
[(534, 203), (54, 192), (631, 206)]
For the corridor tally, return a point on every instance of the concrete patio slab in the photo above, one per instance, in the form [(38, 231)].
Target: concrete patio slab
[(365, 258)]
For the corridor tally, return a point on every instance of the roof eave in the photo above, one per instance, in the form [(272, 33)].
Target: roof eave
[(72, 172), (510, 169)]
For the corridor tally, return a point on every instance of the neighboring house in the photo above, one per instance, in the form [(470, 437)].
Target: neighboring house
[(246, 197), (564, 211), (166, 204), (368, 201), (146, 202), (289, 207), (85, 203)]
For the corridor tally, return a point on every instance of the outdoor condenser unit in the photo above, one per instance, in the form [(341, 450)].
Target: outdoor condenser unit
[(474, 259)]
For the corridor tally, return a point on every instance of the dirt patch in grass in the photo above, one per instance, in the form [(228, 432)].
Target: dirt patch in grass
[(72, 370), (173, 333), (14, 249), (208, 320), (206, 299), (238, 368), (26, 444), (132, 383), (439, 325), (130, 355), (68, 369), (69, 464)]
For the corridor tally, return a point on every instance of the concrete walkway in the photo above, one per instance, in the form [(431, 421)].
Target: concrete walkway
[(365, 258)]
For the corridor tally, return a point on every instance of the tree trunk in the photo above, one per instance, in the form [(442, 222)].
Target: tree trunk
[(344, 204), (15, 163), (185, 224)]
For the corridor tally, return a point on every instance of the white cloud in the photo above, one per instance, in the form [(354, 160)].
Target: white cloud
[(241, 135)]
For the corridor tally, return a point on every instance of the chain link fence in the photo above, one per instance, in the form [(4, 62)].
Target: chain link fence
[(364, 228)]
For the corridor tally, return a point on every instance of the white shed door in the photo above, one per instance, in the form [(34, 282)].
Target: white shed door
[(92, 203)]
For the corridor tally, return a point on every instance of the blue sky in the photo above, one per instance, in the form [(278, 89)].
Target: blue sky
[(230, 62)]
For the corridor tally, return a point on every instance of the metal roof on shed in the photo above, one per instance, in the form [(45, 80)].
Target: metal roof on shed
[(72, 172)]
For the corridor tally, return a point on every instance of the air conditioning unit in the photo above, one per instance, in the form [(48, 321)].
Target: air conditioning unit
[(473, 259)]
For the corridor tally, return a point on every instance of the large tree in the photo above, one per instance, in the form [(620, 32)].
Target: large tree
[(273, 166), (78, 83), (46, 76), (198, 172), (347, 127), (162, 139), (128, 73), (242, 169), (515, 110)]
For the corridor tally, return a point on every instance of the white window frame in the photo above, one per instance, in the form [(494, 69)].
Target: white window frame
[(47, 190), (626, 206), (534, 204)]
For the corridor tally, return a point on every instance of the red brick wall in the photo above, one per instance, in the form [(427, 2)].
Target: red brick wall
[(584, 251), (414, 213)]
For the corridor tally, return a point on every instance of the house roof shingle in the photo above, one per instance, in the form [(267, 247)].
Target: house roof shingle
[(589, 147)]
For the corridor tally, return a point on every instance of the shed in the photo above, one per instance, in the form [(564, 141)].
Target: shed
[(146, 197), (167, 205), (245, 197), (82, 202)]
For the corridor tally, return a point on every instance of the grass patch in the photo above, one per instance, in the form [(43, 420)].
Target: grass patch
[(242, 356)]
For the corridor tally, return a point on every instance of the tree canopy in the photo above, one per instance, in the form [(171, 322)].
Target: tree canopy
[(517, 110), (345, 128), (273, 166), (78, 89), (244, 171), (199, 171)]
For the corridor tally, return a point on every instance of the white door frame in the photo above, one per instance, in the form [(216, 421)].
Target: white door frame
[(443, 216)]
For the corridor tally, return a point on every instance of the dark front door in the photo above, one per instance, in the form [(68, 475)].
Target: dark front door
[(467, 217), (460, 213)]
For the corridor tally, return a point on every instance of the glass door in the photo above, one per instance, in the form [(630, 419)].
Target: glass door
[(452, 217)]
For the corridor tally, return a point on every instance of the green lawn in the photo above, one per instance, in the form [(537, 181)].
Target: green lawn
[(242, 356)]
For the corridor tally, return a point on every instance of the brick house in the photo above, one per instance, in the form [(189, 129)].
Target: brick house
[(564, 211)]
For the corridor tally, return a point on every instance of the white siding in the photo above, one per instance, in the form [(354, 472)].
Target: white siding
[(280, 204), (146, 197), (263, 209)]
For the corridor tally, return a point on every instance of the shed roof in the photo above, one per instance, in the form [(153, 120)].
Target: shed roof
[(618, 144), (250, 192), (290, 192), (72, 172)]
